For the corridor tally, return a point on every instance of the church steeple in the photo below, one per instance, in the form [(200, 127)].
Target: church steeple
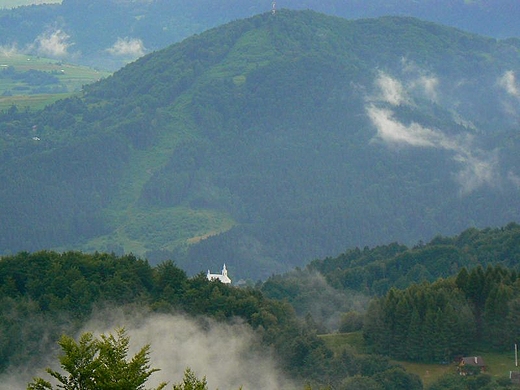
[(223, 276)]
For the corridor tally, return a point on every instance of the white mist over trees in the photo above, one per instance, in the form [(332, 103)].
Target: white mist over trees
[(227, 355)]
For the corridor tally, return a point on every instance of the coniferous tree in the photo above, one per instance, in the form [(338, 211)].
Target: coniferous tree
[(495, 311), (512, 322), (414, 341), (401, 327)]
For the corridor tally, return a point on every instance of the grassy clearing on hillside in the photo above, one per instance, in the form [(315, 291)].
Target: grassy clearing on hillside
[(498, 364), (33, 102), (166, 229), (178, 226), (253, 50), (429, 373), (338, 341)]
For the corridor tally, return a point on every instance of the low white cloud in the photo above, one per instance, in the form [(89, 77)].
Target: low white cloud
[(8, 51), (514, 178), (419, 82), (429, 86), (509, 84), (394, 132), (391, 90), (53, 43), (127, 47), (226, 354), (477, 171), (477, 167)]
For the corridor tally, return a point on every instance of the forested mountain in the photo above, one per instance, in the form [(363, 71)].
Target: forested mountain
[(431, 303), (109, 33), (271, 141), (327, 288)]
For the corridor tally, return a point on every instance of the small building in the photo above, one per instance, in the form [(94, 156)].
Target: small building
[(471, 365), (222, 277)]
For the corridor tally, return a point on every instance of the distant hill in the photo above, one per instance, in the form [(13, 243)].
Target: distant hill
[(327, 288), (110, 33), (271, 141)]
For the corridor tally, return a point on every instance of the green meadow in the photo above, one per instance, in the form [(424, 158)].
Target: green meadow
[(497, 364), (15, 89)]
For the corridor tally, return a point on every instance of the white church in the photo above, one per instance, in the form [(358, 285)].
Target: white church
[(223, 276)]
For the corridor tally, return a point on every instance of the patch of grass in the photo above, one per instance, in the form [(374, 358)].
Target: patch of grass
[(354, 342), (429, 373), (338, 341), (32, 102), (254, 49), (71, 78), (498, 363), (165, 229)]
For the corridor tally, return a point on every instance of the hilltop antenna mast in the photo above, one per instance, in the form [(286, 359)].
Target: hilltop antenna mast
[(273, 10)]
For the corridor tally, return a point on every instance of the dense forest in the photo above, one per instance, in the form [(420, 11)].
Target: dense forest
[(269, 142), (452, 317), (345, 283), (432, 319), (46, 294)]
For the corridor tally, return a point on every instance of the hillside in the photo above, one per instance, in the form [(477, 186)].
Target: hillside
[(271, 141), (328, 288), (110, 33)]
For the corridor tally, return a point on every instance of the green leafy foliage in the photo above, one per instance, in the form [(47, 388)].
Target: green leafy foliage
[(99, 364), (191, 382)]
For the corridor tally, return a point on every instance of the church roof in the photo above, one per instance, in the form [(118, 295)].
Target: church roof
[(222, 277)]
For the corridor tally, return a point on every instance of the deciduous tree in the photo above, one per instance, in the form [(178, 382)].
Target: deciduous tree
[(99, 364)]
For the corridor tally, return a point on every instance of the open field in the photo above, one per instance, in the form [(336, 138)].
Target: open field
[(33, 102), (18, 3), (498, 364), (15, 90)]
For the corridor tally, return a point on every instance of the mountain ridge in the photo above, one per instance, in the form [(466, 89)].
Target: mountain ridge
[(110, 33), (279, 139)]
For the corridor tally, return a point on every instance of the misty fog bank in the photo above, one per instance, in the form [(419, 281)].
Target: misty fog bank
[(228, 355)]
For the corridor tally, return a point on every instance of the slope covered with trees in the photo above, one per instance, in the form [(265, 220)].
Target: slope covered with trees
[(336, 285), (271, 141), (433, 303)]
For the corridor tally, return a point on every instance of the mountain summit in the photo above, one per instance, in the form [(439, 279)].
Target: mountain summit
[(270, 141)]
